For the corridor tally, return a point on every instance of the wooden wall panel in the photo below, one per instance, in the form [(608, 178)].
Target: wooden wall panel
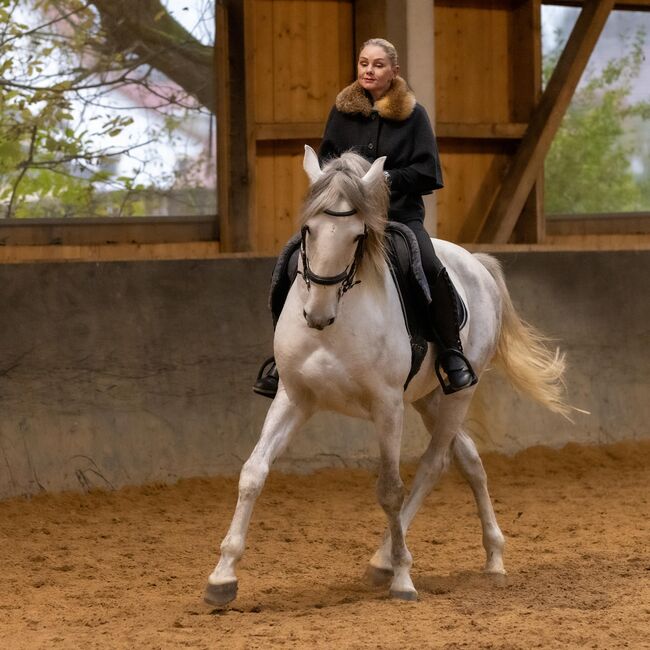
[(302, 49), (281, 188), (303, 56), (471, 173), (264, 223), (263, 57), (473, 74), (486, 77)]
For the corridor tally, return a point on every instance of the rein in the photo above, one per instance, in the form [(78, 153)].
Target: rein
[(346, 277)]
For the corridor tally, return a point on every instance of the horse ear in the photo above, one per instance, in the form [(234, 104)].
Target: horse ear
[(374, 173), (311, 165)]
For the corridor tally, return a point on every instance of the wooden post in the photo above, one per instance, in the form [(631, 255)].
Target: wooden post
[(527, 49), (545, 121), (223, 127), (232, 142)]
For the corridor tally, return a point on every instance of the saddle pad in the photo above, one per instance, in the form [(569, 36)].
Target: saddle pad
[(284, 273), (403, 255)]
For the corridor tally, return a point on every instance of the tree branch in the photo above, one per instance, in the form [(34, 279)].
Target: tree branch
[(23, 171), (105, 153), (148, 29)]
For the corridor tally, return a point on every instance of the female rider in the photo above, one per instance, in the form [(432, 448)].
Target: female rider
[(375, 116)]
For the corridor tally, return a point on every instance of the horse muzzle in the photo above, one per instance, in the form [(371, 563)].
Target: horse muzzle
[(318, 322)]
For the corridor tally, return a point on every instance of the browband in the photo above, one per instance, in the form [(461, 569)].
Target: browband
[(345, 213)]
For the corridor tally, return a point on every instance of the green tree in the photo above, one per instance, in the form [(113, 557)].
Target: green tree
[(587, 169), (57, 55)]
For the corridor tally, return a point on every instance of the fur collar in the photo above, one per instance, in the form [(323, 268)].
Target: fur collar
[(397, 104)]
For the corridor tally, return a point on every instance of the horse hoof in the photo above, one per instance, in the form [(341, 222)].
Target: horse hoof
[(378, 577), (404, 595), (497, 578), (220, 594), (495, 571)]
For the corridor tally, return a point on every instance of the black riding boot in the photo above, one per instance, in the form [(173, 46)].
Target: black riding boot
[(444, 314)]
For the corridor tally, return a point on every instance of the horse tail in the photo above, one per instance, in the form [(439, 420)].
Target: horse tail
[(524, 354)]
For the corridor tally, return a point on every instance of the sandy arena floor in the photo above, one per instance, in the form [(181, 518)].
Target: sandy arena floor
[(128, 568)]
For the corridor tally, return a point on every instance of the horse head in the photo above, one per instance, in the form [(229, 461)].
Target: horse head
[(338, 217)]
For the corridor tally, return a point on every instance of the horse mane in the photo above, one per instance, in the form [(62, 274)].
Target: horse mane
[(341, 179)]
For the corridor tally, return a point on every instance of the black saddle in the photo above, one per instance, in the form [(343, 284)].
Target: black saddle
[(403, 257), (405, 263)]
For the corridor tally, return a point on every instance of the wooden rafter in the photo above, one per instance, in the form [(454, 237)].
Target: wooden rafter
[(545, 121)]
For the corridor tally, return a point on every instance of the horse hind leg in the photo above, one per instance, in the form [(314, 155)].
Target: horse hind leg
[(282, 420), (443, 417), (432, 464), (471, 467)]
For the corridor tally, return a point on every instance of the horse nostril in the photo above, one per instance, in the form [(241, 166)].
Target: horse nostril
[(304, 313), (331, 320)]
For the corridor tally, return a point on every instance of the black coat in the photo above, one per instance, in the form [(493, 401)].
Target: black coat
[(396, 127)]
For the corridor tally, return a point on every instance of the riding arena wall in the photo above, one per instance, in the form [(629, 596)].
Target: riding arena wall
[(119, 373)]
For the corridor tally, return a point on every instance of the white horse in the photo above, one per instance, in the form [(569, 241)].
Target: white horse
[(349, 352)]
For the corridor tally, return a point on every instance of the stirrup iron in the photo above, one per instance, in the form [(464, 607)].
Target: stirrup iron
[(266, 383), (447, 388)]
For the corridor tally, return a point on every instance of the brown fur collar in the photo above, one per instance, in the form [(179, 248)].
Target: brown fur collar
[(397, 104)]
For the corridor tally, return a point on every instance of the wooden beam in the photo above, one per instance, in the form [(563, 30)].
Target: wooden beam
[(289, 131), (111, 252), (492, 131), (626, 223), (526, 66), (624, 5), (527, 162), (107, 230)]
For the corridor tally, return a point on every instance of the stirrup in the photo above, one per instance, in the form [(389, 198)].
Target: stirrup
[(447, 387), (266, 383)]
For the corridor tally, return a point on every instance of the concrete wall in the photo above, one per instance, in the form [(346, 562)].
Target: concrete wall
[(122, 373)]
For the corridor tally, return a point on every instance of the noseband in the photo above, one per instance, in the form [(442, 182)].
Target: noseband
[(346, 277)]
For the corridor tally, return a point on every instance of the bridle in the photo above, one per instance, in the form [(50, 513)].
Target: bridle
[(346, 277)]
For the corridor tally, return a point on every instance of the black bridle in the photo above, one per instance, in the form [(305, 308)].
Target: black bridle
[(346, 277)]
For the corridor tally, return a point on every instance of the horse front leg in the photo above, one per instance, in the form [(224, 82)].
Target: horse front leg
[(390, 493), (282, 421)]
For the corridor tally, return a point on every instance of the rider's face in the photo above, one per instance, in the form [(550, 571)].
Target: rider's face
[(374, 71)]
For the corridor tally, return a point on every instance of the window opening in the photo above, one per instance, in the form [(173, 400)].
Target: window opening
[(107, 108), (599, 162)]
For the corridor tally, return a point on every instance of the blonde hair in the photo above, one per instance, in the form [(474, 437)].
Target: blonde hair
[(387, 46)]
